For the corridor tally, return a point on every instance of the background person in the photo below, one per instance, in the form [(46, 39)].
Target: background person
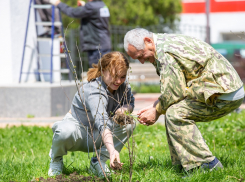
[(197, 85), (94, 29), (105, 94)]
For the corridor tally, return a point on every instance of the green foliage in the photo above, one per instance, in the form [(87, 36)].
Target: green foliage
[(145, 88), (24, 153), (30, 116), (143, 13), (135, 13)]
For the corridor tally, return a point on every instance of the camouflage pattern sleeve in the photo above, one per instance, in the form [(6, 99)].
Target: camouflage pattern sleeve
[(188, 47), (172, 81)]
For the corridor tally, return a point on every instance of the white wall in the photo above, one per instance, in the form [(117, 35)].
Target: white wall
[(12, 38), (219, 23), (12, 33), (5, 45)]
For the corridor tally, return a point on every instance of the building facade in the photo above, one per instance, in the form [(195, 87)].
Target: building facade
[(227, 18)]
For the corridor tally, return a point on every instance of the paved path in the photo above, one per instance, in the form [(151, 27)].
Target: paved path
[(141, 101), (144, 100)]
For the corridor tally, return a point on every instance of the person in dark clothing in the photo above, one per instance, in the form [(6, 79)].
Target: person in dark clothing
[(94, 30)]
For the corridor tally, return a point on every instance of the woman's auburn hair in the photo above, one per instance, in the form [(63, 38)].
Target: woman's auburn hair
[(114, 62)]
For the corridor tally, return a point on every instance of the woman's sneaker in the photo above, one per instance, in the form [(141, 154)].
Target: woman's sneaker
[(55, 167), (96, 169), (215, 164)]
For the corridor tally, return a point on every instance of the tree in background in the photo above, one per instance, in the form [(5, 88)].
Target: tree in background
[(135, 13), (144, 12)]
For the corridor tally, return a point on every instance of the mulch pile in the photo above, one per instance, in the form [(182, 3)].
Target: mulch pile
[(120, 119), (74, 177)]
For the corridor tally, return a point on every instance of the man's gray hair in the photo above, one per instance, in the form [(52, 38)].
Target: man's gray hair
[(136, 37)]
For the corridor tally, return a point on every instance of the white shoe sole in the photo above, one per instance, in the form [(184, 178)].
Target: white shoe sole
[(217, 166)]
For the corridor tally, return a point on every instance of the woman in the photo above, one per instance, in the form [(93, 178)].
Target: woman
[(105, 94)]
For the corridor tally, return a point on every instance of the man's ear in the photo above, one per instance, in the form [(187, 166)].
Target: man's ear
[(148, 40)]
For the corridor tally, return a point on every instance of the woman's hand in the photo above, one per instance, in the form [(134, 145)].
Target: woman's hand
[(124, 108), (121, 110), (114, 155), (108, 141)]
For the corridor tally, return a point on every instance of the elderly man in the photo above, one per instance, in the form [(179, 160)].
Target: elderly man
[(197, 85)]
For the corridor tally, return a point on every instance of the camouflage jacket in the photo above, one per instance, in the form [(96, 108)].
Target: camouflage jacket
[(191, 68)]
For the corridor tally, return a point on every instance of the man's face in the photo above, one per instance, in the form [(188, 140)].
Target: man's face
[(147, 54)]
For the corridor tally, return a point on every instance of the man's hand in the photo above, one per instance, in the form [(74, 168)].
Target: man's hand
[(81, 3), (149, 115), (54, 2), (114, 155)]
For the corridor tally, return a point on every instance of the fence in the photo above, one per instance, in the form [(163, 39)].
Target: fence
[(117, 36)]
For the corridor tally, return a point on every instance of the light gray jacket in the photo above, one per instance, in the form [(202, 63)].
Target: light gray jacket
[(100, 103)]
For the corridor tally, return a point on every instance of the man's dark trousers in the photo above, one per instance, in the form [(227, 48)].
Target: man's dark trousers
[(94, 56)]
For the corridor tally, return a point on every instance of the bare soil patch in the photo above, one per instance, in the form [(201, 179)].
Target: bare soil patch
[(74, 177), (123, 119)]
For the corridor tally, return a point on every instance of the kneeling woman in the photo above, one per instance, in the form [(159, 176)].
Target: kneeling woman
[(105, 94)]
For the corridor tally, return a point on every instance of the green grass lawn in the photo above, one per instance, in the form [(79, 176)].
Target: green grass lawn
[(145, 88), (24, 153)]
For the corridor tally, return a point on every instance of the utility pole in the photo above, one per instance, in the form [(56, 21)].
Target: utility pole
[(207, 25)]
